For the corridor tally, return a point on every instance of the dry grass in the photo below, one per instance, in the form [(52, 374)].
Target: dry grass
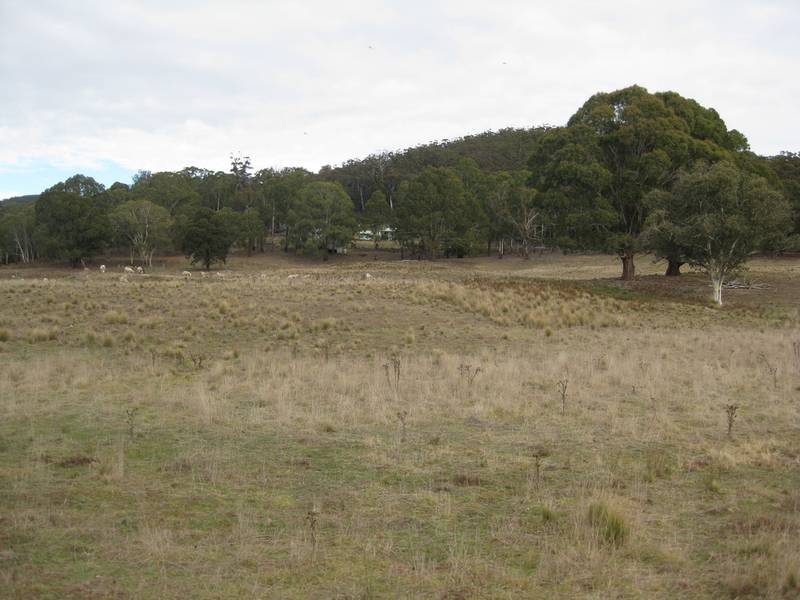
[(328, 436)]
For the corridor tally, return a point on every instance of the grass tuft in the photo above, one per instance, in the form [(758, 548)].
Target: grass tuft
[(609, 524)]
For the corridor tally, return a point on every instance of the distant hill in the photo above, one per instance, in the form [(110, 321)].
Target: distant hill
[(504, 150), (20, 199)]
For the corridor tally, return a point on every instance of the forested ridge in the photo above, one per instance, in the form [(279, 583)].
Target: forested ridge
[(631, 171)]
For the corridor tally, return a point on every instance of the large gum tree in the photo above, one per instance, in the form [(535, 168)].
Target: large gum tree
[(613, 151)]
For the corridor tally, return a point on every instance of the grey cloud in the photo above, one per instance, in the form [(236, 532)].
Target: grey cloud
[(159, 87)]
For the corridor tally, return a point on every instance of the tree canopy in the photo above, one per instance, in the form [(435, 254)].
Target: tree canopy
[(718, 216), (435, 215), (613, 151), (208, 236), (71, 220), (322, 218), (141, 226)]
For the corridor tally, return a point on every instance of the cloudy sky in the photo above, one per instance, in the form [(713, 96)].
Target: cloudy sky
[(107, 88)]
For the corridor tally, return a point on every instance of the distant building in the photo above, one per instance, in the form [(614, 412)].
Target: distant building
[(367, 235)]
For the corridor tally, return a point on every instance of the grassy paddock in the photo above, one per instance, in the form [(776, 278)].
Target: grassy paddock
[(456, 429)]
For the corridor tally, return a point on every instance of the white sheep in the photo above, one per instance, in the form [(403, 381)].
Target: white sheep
[(203, 274), (367, 276), (129, 270), (140, 270), (186, 274), (220, 275), (102, 268), (293, 276)]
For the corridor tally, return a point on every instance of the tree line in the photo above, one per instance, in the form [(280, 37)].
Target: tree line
[(631, 171)]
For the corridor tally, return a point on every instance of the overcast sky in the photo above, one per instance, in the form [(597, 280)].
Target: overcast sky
[(107, 88)]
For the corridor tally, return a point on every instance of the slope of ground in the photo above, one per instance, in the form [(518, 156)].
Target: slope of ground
[(458, 429)]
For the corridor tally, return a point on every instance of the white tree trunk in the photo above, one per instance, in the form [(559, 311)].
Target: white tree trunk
[(717, 281)]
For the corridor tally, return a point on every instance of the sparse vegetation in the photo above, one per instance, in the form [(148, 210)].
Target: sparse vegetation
[(282, 431)]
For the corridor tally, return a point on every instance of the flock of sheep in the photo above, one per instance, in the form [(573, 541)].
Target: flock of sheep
[(140, 271), (188, 274)]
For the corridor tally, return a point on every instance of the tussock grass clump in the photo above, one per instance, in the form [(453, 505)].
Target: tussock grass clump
[(658, 464), (151, 322), (548, 514), (530, 304), (114, 317), (609, 524), (40, 334)]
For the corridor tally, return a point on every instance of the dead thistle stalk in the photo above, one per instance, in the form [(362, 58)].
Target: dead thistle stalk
[(562, 389), (130, 419), (312, 519), (730, 411), (771, 369), (468, 373), (393, 380), (402, 416)]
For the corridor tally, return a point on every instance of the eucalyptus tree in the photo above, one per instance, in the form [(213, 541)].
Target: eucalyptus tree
[(17, 223), (321, 218), (435, 214), (719, 216), (143, 227), (613, 151), (71, 220), (207, 236)]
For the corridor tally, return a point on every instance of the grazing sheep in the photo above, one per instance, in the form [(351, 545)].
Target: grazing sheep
[(293, 276), (203, 274), (186, 274), (102, 268), (367, 276), (220, 275), (140, 270), (128, 270)]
